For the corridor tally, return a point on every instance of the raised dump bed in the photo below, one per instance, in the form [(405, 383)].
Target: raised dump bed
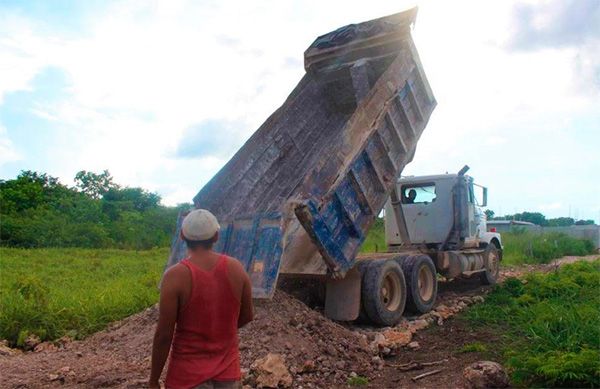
[(301, 194)]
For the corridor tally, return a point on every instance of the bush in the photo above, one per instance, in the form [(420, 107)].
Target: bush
[(37, 211), (552, 324), (521, 247)]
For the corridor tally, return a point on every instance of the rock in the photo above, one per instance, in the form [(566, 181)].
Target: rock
[(79, 354), (340, 365), (353, 374), (62, 342), (308, 366), (394, 339), (31, 341), (271, 372), (379, 339), (486, 374), (45, 346), (478, 299), (6, 351), (413, 345), (443, 312), (53, 377), (417, 325)]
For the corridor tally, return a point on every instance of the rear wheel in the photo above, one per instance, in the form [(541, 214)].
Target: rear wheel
[(384, 292), (421, 283), (491, 261)]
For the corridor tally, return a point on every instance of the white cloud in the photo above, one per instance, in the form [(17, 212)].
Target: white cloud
[(8, 153), (20, 58), (551, 206)]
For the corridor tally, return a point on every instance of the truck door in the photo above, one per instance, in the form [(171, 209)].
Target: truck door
[(475, 215), (422, 209)]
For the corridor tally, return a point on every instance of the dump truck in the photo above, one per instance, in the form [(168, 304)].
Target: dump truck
[(298, 198)]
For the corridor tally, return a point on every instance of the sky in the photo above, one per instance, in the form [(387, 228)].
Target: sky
[(163, 93)]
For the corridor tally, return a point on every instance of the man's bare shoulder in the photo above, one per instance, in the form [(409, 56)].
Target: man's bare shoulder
[(176, 273), (235, 265)]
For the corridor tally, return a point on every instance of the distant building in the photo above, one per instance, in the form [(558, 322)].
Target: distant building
[(590, 232), (507, 225)]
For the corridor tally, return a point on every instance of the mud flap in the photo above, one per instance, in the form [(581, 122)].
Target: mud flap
[(342, 299)]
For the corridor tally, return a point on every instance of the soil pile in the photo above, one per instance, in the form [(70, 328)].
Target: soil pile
[(316, 351)]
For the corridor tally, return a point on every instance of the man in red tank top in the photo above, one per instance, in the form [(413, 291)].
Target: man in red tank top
[(203, 301)]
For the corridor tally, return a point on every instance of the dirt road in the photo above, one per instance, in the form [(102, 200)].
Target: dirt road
[(315, 351)]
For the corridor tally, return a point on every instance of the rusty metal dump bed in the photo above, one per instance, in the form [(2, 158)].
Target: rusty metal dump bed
[(301, 194)]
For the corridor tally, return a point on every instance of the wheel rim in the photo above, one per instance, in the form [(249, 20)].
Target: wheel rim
[(425, 283), (390, 291)]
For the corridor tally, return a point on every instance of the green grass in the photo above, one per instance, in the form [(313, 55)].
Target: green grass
[(521, 247), (475, 347), (358, 381), (551, 326), (375, 240), (75, 292)]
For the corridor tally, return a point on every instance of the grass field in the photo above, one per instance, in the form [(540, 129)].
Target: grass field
[(56, 292), (525, 247), (550, 326), (520, 247)]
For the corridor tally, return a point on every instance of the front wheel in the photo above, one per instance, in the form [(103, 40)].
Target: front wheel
[(491, 261), (384, 292)]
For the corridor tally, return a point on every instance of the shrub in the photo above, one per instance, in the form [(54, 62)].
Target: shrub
[(552, 324), (521, 247)]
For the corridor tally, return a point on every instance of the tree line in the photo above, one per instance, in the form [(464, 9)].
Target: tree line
[(36, 210), (539, 219)]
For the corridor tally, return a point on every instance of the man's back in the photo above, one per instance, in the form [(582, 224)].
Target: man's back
[(205, 346), (203, 301)]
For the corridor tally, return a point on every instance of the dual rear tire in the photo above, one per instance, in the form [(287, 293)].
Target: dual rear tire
[(421, 282), (391, 285)]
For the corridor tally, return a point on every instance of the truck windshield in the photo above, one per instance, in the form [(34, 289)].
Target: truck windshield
[(418, 193)]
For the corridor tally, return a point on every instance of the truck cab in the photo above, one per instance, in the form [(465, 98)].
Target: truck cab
[(441, 212)]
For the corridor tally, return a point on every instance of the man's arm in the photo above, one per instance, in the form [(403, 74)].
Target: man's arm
[(168, 308), (246, 308)]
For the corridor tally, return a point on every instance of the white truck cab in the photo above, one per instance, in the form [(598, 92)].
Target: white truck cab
[(428, 206)]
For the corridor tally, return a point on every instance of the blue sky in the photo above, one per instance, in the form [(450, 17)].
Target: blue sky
[(163, 93)]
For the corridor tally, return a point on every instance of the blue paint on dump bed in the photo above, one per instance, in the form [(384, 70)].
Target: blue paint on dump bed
[(254, 241)]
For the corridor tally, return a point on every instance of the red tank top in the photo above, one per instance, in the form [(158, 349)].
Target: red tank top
[(205, 344)]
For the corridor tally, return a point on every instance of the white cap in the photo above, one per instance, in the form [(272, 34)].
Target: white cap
[(200, 224)]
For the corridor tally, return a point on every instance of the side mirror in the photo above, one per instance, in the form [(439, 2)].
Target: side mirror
[(484, 197)]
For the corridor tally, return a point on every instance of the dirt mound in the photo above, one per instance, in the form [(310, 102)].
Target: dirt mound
[(316, 351)]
